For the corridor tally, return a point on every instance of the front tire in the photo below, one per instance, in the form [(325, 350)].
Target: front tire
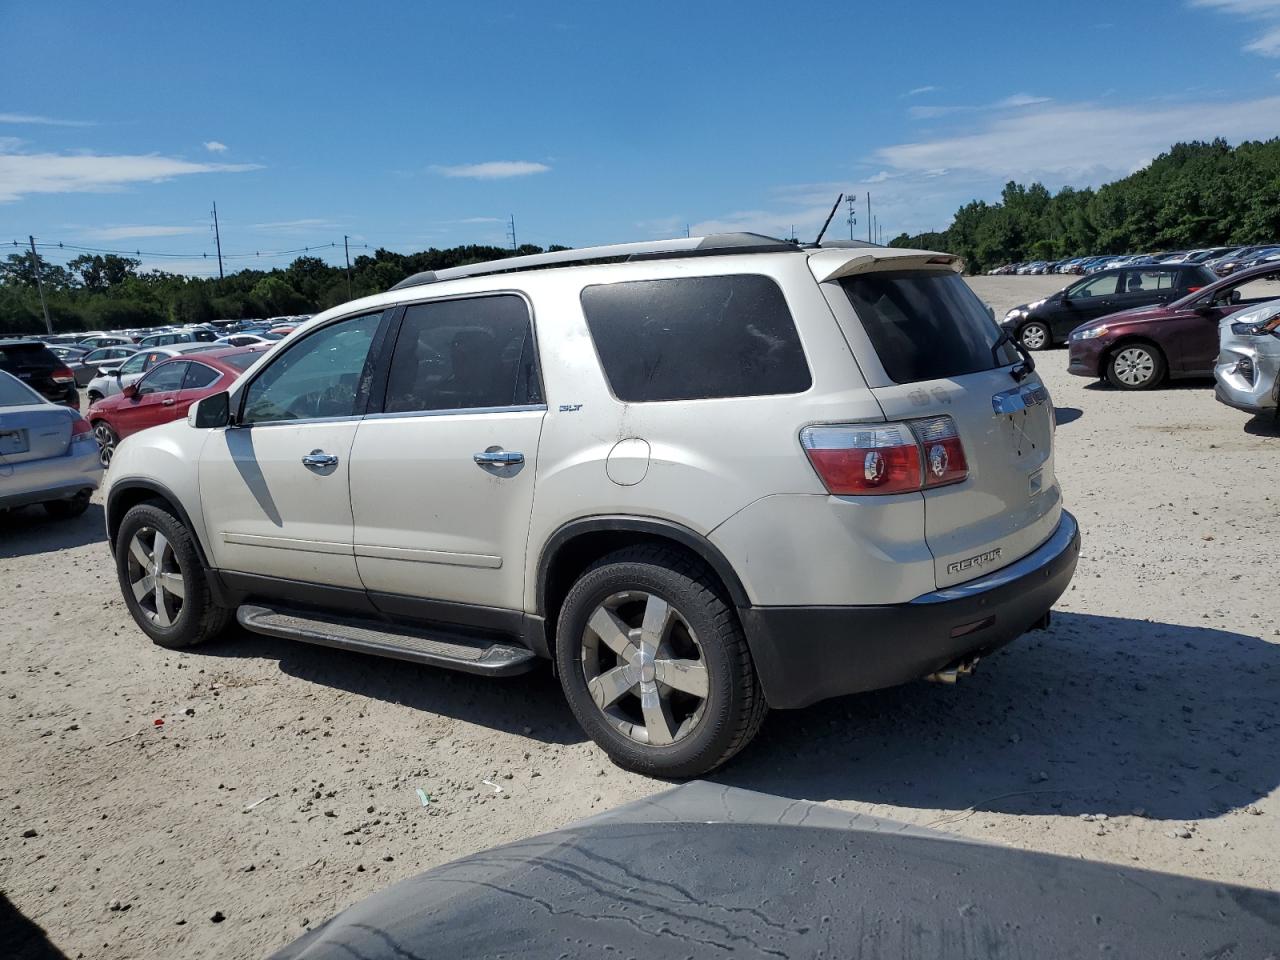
[(655, 666), (163, 579), (107, 439), (1036, 336), (1135, 366)]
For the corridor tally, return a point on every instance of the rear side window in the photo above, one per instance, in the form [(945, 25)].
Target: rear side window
[(926, 325), (464, 354), (199, 375), (695, 338)]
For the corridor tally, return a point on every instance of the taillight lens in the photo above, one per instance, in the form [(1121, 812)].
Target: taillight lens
[(944, 460), (883, 458), (63, 375), (857, 459), (80, 426)]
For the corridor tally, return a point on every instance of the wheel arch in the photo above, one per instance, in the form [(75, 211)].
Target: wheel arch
[(127, 494), (578, 543)]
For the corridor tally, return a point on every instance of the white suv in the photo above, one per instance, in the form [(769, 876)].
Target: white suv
[(700, 476)]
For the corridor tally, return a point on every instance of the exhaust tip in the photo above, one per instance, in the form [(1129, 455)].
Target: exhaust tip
[(951, 674)]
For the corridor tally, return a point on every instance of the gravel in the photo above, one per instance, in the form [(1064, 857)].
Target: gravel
[(1174, 606)]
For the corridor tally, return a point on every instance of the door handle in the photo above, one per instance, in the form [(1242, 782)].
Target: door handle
[(498, 458), (168, 403), (318, 458)]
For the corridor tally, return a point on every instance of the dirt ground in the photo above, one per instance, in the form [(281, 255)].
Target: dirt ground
[(1142, 728)]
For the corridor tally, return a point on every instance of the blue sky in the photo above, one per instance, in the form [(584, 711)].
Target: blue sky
[(419, 124)]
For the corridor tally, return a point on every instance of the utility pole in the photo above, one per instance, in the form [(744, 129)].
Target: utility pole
[(347, 250), (35, 265), (217, 238), (853, 218), (868, 216), (512, 230), (875, 228)]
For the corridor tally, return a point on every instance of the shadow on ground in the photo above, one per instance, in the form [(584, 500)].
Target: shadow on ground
[(1120, 715), (529, 705), (1064, 415), (1189, 383), (1263, 425), (23, 939), (30, 531)]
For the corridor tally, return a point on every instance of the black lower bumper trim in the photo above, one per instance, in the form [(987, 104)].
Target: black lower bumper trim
[(807, 654)]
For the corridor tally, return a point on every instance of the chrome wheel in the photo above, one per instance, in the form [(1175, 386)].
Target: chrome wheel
[(645, 668), (155, 577), (1035, 336), (1134, 366), (106, 443)]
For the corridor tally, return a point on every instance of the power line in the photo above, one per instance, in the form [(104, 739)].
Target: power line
[(200, 255)]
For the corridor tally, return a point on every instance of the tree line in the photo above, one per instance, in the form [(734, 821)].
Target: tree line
[(1196, 195), (107, 292)]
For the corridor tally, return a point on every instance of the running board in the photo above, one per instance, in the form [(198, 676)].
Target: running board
[(389, 640)]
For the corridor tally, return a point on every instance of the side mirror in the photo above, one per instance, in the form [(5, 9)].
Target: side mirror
[(214, 411), (1236, 296), (130, 391)]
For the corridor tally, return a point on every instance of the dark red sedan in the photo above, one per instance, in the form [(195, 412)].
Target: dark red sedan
[(1137, 349), (166, 393)]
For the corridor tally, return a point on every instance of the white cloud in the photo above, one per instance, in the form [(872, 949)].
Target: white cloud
[(1084, 142), (1013, 102), (295, 226), (27, 173), (216, 146), (919, 90), (135, 231), (1021, 100), (28, 118), (1264, 12), (480, 220), (492, 169)]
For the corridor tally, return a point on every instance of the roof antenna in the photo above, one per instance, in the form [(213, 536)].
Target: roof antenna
[(834, 207)]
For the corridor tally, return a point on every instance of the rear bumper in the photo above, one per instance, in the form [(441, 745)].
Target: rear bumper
[(56, 478), (807, 654)]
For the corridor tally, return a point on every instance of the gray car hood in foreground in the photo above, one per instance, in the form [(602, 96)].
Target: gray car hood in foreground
[(710, 871)]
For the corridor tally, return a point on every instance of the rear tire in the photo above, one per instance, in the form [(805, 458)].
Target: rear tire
[(107, 439), (634, 620), (1035, 336), (1135, 366), (163, 579), (68, 509)]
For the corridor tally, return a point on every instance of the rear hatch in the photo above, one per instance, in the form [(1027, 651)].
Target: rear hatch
[(30, 429), (35, 365), (929, 348)]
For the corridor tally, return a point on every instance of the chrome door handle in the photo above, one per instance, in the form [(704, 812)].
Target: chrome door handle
[(498, 458), (318, 458), (168, 403)]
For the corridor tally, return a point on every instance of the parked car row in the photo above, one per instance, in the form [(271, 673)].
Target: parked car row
[(1221, 260)]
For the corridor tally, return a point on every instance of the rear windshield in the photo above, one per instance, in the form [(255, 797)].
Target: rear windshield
[(926, 325), (242, 361), (14, 394), (27, 356)]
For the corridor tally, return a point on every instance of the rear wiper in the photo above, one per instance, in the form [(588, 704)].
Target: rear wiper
[(1023, 369)]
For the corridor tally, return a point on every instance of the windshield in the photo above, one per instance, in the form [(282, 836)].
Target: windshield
[(926, 325)]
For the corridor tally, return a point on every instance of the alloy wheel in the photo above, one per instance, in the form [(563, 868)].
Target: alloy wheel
[(106, 443), (1034, 337), (1134, 366), (155, 576), (645, 668)]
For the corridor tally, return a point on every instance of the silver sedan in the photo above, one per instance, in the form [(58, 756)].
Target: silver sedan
[(48, 453), (1248, 367)]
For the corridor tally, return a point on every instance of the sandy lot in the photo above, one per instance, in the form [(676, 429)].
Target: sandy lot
[(1143, 727)]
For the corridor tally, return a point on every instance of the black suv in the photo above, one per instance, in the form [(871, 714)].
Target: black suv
[(1046, 322), (38, 367)]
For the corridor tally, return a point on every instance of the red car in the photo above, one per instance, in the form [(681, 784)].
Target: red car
[(1137, 349), (166, 393)]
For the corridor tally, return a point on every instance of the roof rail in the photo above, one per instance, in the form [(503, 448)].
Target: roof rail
[(716, 243)]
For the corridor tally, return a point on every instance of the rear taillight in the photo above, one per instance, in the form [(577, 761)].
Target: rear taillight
[(944, 460), (62, 375), (80, 426), (882, 458)]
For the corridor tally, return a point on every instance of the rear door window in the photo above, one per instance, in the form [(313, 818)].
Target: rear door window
[(199, 375), (467, 354), (926, 325), (1148, 281), (696, 338)]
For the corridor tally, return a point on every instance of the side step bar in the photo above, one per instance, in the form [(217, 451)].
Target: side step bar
[(389, 640)]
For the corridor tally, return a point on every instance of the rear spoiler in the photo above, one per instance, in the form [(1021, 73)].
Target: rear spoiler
[(834, 264)]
